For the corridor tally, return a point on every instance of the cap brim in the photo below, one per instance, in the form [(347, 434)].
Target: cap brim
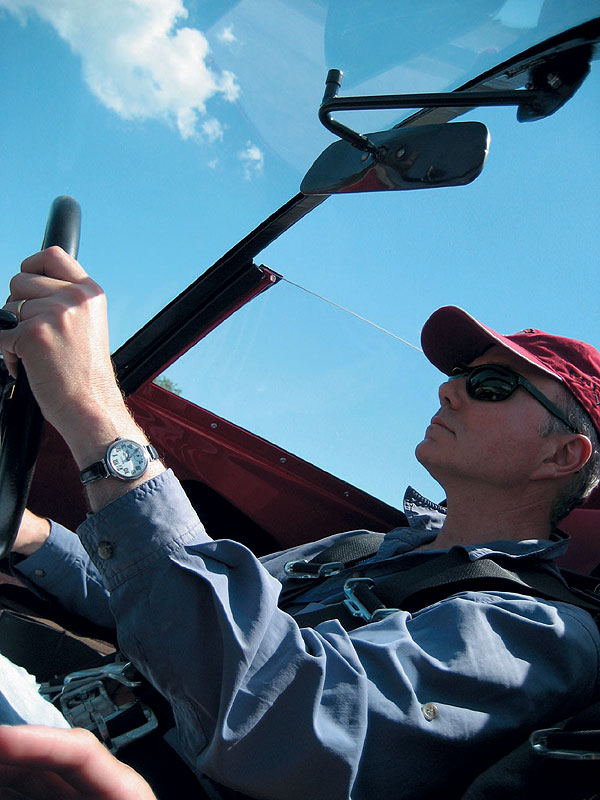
[(451, 336)]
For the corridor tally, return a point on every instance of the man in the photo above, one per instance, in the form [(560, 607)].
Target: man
[(409, 705)]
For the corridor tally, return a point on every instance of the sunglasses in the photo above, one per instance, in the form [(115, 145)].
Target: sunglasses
[(496, 382)]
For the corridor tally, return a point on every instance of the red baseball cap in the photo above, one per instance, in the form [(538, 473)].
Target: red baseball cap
[(451, 336)]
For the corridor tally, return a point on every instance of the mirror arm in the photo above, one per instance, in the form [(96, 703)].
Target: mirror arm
[(531, 98), (331, 101)]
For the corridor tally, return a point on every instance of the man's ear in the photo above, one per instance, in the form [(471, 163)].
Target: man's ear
[(568, 454)]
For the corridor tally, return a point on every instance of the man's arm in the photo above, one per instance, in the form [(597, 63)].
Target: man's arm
[(51, 561), (62, 340), (33, 533)]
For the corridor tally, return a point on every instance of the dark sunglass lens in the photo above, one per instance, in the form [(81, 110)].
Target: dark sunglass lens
[(491, 384)]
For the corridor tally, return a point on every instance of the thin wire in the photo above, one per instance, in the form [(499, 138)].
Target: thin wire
[(352, 313)]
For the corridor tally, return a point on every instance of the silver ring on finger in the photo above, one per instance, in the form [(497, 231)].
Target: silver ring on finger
[(20, 305)]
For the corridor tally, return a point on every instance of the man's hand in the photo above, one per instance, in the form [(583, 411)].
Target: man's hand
[(40, 763), (62, 340), (33, 533)]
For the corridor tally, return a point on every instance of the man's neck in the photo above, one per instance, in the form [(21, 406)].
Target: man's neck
[(475, 518)]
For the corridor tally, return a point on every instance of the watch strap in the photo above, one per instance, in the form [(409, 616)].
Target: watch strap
[(94, 472)]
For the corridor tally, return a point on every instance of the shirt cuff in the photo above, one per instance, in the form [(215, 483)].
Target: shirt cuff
[(128, 535), (46, 568)]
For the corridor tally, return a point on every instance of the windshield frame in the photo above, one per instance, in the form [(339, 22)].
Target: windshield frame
[(235, 279)]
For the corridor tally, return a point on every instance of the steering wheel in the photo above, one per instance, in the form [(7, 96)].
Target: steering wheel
[(21, 422)]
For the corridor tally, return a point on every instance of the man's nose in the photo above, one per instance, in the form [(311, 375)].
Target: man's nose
[(452, 392)]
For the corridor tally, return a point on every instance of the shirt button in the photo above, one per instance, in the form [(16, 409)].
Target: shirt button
[(430, 711), (105, 550), (39, 573)]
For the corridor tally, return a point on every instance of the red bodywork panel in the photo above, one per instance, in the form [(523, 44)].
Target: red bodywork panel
[(583, 554), (289, 499)]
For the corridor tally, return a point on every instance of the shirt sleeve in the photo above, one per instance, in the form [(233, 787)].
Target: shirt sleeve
[(62, 569), (422, 701)]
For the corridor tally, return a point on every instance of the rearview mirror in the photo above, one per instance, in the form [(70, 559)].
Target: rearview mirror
[(416, 157)]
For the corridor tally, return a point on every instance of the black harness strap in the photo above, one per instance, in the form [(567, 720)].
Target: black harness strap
[(351, 549), (368, 600)]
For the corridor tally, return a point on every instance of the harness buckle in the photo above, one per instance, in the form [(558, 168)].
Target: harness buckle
[(307, 569), (357, 607), (555, 743), (87, 700)]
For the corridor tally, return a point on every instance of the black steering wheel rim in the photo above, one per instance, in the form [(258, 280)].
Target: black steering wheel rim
[(21, 422)]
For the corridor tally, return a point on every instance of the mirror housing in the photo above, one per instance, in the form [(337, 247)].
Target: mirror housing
[(417, 157)]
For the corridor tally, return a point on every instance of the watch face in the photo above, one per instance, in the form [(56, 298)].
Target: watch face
[(127, 459)]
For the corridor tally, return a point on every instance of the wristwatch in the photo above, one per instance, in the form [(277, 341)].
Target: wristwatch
[(125, 459)]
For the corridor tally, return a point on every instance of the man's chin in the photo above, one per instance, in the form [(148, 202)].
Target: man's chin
[(425, 455), (421, 453)]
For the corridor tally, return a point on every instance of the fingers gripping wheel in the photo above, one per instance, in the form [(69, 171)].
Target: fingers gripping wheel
[(21, 423)]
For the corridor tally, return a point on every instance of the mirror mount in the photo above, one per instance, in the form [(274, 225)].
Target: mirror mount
[(419, 156), (532, 104), (563, 72)]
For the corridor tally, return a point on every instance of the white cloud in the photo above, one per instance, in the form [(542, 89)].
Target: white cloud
[(227, 35), (253, 160), (212, 130), (138, 59)]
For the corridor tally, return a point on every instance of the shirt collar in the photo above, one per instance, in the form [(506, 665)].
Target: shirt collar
[(542, 549), (425, 519), (422, 514)]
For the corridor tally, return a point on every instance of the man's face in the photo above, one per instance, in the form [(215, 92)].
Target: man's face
[(497, 443)]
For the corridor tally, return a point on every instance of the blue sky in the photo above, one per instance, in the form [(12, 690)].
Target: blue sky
[(179, 133)]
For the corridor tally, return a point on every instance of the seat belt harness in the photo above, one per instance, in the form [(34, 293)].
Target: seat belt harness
[(368, 600)]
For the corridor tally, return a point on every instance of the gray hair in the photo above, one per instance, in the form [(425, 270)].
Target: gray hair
[(585, 480)]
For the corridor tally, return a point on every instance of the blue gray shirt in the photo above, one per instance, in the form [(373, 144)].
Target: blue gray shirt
[(410, 706)]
